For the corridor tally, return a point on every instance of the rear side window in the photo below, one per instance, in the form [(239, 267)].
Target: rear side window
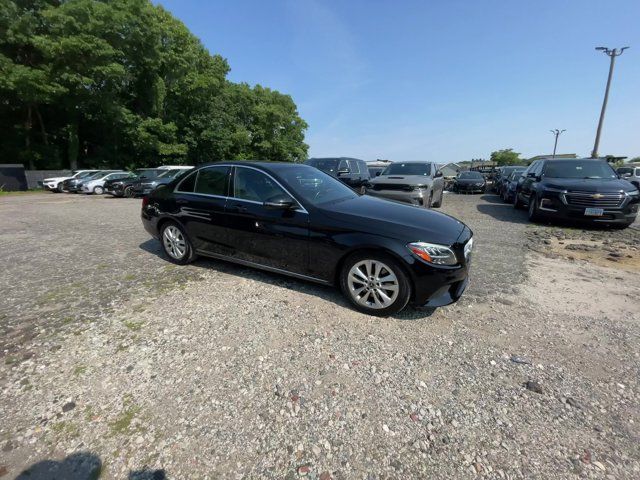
[(212, 181), (188, 184)]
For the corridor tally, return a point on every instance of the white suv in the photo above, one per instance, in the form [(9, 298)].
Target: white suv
[(54, 184), (630, 173)]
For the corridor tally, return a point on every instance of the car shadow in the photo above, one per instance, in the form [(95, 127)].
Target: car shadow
[(80, 466), (326, 292), (495, 207)]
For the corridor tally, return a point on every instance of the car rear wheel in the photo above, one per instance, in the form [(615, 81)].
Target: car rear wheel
[(98, 190), (375, 284), (128, 192), (176, 244)]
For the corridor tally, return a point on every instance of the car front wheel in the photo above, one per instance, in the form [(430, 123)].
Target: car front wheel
[(98, 190), (375, 284), (534, 214), (176, 244)]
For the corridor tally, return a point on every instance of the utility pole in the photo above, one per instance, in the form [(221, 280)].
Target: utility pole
[(557, 133), (612, 54)]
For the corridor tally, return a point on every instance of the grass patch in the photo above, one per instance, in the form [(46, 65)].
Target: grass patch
[(66, 428), (129, 277), (79, 370), (133, 326), (4, 193), (122, 423)]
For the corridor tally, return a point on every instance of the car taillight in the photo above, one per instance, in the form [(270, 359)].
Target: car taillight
[(145, 201)]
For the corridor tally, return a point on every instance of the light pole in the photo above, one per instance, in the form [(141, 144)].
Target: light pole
[(557, 133), (612, 54)]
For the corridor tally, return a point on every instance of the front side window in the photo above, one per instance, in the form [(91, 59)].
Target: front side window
[(314, 186), (212, 181), (329, 165), (353, 166), (411, 168), (250, 184)]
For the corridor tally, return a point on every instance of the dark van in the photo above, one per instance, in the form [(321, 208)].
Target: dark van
[(351, 171)]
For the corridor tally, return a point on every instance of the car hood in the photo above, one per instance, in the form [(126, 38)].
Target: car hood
[(595, 185), (401, 179), (396, 220), (56, 179)]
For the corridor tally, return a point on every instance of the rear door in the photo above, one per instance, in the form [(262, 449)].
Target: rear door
[(274, 238), (200, 200)]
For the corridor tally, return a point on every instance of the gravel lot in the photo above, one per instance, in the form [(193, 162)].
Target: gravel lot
[(119, 364)]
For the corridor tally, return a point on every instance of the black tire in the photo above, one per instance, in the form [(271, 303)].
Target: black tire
[(430, 199), (128, 192), (189, 254), (534, 214), (60, 187), (517, 204), (388, 263), (438, 204)]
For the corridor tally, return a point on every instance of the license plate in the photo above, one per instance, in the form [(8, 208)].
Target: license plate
[(594, 212)]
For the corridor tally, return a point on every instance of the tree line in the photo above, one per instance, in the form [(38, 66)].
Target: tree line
[(122, 83)]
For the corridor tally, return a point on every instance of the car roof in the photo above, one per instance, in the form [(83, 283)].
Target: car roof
[(263, 164)]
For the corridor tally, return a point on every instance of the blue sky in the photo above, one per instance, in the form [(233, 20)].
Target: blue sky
[(435, 80)]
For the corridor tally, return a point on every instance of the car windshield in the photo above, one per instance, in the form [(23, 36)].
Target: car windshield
[(471, 175), (148, 172), (578, 169), (315, 186), (410, 168), (326, 165), (515, 174), (95, 175), (84, 174)]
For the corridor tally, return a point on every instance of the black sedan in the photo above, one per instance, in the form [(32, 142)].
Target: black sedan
[(470, 182), (296, 220)]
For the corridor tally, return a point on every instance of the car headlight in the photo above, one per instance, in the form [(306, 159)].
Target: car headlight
[(433, 253), (634, 193)]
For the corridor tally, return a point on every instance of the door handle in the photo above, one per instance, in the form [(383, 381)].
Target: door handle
[(238, 208), (181, 201)]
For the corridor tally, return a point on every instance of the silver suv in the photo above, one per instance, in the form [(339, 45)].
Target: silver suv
[(631, 173), (418, 183)]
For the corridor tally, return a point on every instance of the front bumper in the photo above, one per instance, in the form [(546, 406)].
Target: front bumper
[(437, 286), (470, 188), (414, 197), (554, 205)]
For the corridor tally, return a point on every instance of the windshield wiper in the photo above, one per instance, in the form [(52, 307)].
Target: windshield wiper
[(592, 177)]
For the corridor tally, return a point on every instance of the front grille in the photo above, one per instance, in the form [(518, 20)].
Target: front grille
[(392, 186), (597, 200)]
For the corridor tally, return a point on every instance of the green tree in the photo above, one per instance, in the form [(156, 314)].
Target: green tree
[(122, 82), (506, 157)]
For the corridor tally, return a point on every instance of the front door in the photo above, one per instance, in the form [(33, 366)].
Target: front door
[(272, 237)]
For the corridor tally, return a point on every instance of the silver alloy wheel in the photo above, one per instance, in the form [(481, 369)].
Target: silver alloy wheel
[(373, 284), (174, 242), (98, 190)]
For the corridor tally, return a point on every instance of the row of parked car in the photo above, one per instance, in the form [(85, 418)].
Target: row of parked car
[(115, 182), (575, 189)]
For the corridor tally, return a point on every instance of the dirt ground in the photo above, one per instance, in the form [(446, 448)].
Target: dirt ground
[(117, 364)]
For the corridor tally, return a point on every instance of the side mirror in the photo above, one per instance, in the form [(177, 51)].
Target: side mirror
[(438, 174), (282, 203), (343, 171), (378, 174)]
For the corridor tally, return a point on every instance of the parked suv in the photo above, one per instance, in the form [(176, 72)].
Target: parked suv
[(418, 183), (146, 185), (56, 184), (123, 187), (351, 171), (577, 189), (631, 173), (95, 184)]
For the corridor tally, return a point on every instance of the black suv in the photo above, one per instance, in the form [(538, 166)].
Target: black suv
[(351, 171), (577, 189)]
